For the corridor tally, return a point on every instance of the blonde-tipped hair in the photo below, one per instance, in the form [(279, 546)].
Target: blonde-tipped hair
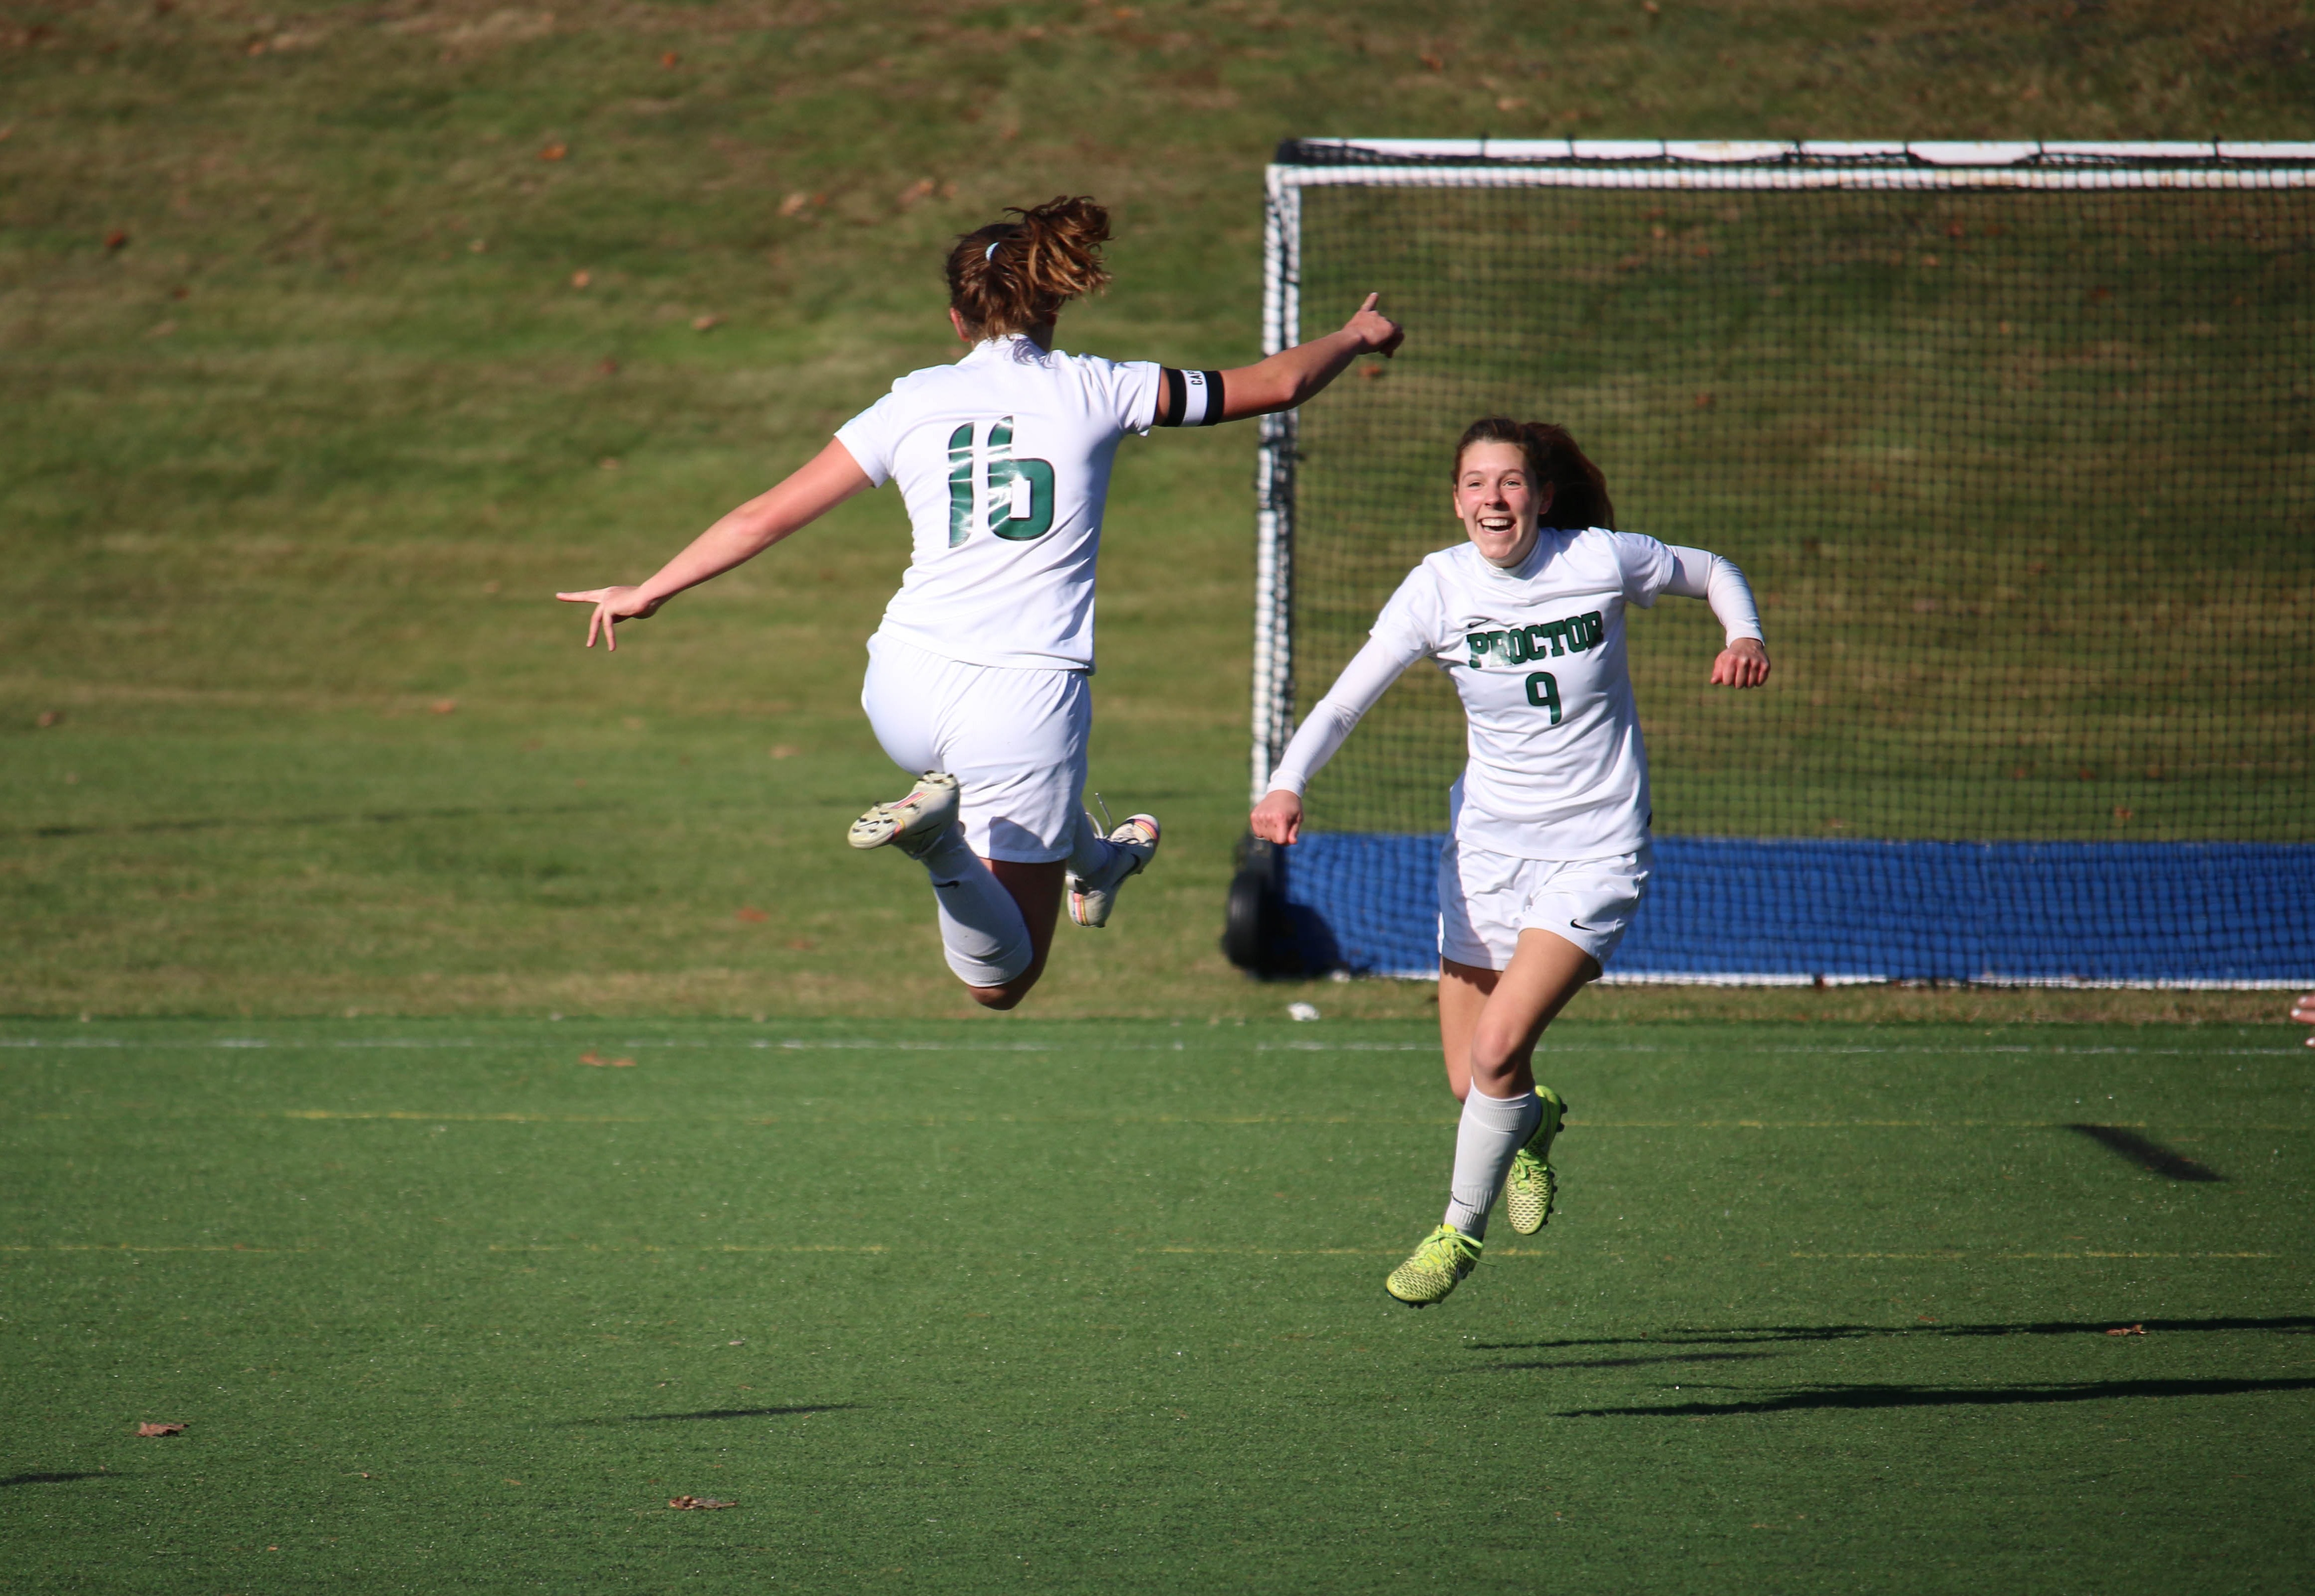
[(1037, 264)]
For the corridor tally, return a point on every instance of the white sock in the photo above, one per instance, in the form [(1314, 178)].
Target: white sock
[(1089, 851), (982, 932), (1493, 1129)]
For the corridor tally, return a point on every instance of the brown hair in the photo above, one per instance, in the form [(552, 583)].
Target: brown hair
[(1010, 277), (1579, 491)]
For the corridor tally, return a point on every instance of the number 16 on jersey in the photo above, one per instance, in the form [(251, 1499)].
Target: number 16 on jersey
[(1020, 490)]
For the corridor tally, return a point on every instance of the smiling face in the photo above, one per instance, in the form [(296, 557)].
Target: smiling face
[(1497, 501)]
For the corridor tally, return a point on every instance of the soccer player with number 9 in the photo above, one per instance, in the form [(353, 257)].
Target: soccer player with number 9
[(1548, 832), (976, 676)]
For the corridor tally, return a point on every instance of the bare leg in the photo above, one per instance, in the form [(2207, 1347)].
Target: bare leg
[(1490, 1020), (1463, 990), (1037, 889)]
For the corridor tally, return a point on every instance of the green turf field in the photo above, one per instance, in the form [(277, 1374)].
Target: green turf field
[(303, 412), (1071, 1305)]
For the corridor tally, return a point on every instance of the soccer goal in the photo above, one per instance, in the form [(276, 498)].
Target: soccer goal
[(2017, 443)]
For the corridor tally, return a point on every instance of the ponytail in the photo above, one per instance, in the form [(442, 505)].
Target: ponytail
[(1010, 277), (1579, 491)]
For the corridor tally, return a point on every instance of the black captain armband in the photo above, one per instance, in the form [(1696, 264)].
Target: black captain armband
[(1189, 398)]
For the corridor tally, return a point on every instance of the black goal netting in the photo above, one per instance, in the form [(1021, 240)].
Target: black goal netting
[(2021, 477)]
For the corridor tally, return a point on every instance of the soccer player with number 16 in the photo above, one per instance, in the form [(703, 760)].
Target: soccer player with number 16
[(977, 675), (1548, 832)]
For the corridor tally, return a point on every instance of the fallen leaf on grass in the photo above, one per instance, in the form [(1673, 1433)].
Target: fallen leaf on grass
[(443, 707), (160, 1428), (116, 239), (704, 1502), (555, 152), (2129, 1330), (670, 59), (705, 323), (50, 717), (579, 280), (751, 916), (597, 1060)]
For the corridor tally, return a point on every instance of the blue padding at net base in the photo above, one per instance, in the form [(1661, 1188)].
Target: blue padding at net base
[(1994, 911)]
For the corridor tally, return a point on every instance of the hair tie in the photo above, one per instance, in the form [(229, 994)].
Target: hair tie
[(990, 252)]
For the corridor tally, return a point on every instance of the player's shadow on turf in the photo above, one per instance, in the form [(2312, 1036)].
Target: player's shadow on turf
[(1812, 1398), (1746, 1334), (1636, 1362), (56, 1479), (2149, 1155), (720, 1412)]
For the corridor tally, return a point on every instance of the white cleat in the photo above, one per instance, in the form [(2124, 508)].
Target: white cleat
[(911, 824), (1131, 847)]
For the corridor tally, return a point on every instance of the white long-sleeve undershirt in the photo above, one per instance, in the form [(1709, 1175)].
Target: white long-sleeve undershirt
[(1698, 573)]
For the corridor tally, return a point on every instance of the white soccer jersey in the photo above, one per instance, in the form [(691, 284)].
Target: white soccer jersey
[(1557, 768), (1003, 460)]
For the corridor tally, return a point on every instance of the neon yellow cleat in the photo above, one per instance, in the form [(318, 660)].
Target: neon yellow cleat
[(1531, 1187), (1437, 1268)]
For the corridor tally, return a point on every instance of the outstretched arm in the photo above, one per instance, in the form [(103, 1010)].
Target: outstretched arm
[(826, 480), (1699, 574), (1278, 817), (1292, 375)]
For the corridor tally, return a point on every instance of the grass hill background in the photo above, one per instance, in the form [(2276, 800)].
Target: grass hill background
[(334, 339)]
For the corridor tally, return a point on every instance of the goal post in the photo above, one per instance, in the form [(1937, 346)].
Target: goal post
[(2017, 444)]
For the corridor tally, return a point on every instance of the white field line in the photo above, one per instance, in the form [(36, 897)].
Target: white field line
[(934, 1122), (1069, 1046), (1938, 1256)]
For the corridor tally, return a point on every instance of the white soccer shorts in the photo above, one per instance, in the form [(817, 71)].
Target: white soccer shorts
[(1487, 899), (1015, 740)]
